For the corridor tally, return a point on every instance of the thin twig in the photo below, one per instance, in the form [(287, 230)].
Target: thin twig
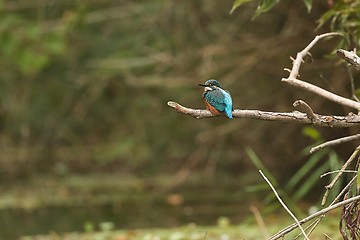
[(352, 85), (336, 178), (295, 116), (293, 226), (314, 224), (335, 142), (332, 172), (301, 55), (283, 204)]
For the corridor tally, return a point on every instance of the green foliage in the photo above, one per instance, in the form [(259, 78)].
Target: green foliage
[(270, 199), (344, 17), (308, 4), (85, 85), (303, 181), (238, 3), (312, 133), (265, 5), (246, 230), (31, 49)]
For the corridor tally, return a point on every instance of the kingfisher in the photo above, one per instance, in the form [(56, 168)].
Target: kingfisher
[(217, 100)]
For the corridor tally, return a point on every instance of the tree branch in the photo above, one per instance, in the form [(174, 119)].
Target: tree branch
[(336, 178), (294, 73), (350, 57), (319, 213), (350, 120), (322, 92), (335, 142)]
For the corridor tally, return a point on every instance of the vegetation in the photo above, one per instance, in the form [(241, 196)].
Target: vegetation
[(85, 85)]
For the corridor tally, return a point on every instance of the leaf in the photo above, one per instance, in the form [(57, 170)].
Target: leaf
[(308, 4), (310, 182), (265, 5), (237, 4), (259, 165), (305, 169), (312, 133)]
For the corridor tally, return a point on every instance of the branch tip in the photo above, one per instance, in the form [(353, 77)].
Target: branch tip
[(172, 104), (304, 107)]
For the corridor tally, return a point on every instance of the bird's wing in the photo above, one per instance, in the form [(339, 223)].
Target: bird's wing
[(228, 104), (216, 98), (227, 99)]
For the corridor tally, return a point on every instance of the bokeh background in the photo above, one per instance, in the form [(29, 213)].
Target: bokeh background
[(86, 136)]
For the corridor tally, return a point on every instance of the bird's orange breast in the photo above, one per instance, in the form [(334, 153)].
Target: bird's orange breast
[(211, 108)]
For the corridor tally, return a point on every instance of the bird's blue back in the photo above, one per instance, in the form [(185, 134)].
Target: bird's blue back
[(220, 99)]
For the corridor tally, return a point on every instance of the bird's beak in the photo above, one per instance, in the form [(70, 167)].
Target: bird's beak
[(202, 85)]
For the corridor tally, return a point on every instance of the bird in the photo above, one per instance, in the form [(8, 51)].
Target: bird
[(217, 100)]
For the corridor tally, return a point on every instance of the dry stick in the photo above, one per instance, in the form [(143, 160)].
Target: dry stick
[(329, 186), (314, 224), (312, 216), (260, 221), (336, 171), (317, 221), (284, 206), (295, 116), (335, 142), (294, 73)]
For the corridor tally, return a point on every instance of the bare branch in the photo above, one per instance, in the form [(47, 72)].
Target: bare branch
[(293, 226), (284, 205), (322, 92), (336, 178), (337, 171), (350, 120), (335, 142), (350, 57), (294, 81), (314, 224), (301, 55)]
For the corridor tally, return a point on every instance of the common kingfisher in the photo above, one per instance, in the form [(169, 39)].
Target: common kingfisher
[(217, 100)]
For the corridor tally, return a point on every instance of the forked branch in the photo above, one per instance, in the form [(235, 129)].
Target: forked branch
[(294, 74), (350, 120), (306, 115)]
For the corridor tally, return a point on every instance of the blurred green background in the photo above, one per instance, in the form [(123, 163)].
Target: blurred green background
[(85, 133)]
